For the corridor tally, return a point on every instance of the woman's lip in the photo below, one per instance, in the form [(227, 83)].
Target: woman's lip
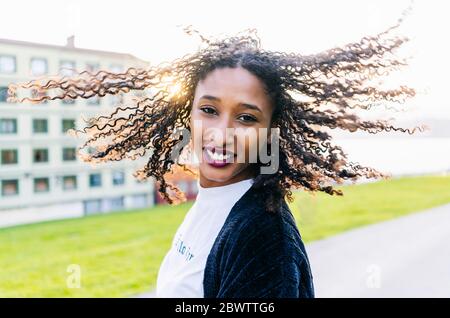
[(223, 151)]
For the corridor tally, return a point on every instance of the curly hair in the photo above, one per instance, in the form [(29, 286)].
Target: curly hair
[(297, 85)]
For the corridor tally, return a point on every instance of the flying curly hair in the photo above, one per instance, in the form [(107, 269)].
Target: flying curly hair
[(297, 85)]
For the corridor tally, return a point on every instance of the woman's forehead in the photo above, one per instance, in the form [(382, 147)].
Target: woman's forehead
[(233, 83)]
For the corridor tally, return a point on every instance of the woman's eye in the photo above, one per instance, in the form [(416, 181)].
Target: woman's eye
[(247, 118), (208, 110)]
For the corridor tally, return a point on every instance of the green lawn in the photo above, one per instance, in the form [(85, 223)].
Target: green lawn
[(322, 215), (119, 253)]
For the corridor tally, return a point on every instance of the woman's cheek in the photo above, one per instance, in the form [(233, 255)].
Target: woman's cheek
[(242, 151)]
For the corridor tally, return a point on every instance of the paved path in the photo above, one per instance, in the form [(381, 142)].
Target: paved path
[(405, 257)]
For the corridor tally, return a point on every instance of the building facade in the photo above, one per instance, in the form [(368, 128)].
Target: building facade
[(185, 181), (38, 163)]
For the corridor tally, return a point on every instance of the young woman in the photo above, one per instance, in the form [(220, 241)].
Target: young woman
[(239, 239)]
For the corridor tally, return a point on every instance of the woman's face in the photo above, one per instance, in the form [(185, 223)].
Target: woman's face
[(230, 106)]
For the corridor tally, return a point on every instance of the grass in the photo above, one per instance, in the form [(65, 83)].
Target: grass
[(321, 215), (119, 253)]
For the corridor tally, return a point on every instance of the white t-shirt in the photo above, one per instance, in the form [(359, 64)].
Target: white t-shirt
[(182, 269)]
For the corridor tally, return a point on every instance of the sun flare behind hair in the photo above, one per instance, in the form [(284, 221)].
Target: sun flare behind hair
[(298, 85)]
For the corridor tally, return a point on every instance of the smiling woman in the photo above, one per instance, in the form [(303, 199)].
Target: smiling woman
[(240, 239), (228, 99)]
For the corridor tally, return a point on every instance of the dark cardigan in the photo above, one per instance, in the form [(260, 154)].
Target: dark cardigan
[(258, 254)]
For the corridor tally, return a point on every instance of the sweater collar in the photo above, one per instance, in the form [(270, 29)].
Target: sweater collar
[(230, 192)]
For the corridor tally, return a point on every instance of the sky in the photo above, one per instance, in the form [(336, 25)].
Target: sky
[(152, 30)]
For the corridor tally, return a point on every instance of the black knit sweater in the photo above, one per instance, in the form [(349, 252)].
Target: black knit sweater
[(258, 254)]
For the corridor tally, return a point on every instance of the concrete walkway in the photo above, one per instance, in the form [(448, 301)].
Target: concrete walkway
[(405, 257)]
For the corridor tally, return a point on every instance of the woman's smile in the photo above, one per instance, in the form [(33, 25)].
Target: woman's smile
[(218, 157)]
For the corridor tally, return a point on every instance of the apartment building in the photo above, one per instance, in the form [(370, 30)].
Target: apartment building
[(38, 163)]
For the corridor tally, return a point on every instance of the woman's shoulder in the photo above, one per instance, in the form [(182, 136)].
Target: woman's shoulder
[(258, 252), (254, 226)]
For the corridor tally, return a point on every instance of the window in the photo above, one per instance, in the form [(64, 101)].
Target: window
[(117, 99), (90, 150), (116, 68), (69, 154), (67, 68), (40, 155), (95, 100), (67, 124), (69, 182), (183, 186), (40, 126), (9, 156), (116, 203), (95, 180), (194, 186), (118, 177), (138, 181), (3, 94), (37, 94), (92, 206), (92, 67), (41, 185), (7, 64), (68, 101), (38, 66), (10, 187), (139, 200), (8, 126)]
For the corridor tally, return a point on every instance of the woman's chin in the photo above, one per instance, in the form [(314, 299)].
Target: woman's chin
[(222, 174), (216, 174)]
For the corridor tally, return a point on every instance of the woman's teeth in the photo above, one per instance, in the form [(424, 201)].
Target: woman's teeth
[(218, 156)]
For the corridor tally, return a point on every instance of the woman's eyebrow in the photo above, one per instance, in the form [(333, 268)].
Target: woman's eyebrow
[(210, 97), (246, 105), (251, 106)]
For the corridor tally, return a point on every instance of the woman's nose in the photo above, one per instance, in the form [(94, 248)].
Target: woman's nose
[(224, 130)]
